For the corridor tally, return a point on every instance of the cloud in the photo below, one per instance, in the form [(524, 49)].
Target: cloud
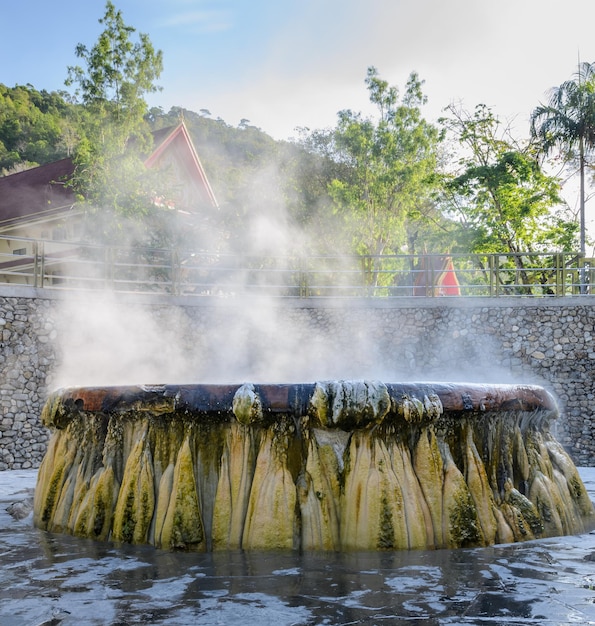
[(201, 21)]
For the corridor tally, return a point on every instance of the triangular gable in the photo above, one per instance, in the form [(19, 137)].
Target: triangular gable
[(179, 144)]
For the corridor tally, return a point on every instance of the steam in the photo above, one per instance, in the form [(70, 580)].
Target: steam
[(107, 340), (233, 336)]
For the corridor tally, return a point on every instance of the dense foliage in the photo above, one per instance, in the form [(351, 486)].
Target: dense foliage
[(35, 127), (389, 166), (110, 87), (498, 194)]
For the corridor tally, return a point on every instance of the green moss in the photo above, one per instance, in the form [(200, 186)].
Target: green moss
[(464, 522), (55, 413), (527, 510), (386, 538), (80, 528), (134, 509), (247, 406), (52, 495), (319, 409), (128, 519), (208, 442), (577, 488), (544, 508), (182, 528), (146, 509), (100, 515)]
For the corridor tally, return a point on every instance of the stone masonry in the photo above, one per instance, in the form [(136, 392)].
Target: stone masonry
[(547, 341)]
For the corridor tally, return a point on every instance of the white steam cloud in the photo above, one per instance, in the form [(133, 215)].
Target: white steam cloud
[(106, 340), (232, 336)]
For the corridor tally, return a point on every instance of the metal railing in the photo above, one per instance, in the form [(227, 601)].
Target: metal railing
[(68, 265)]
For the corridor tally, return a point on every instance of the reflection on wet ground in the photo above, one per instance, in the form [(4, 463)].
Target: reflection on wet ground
[(53, 580)]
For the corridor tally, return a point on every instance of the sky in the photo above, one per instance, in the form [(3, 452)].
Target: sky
[(292, 64)]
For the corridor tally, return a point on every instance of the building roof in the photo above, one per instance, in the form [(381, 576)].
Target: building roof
[(177, 141), (41, 192)]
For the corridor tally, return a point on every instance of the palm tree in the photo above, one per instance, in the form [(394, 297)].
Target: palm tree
[(568, 121)]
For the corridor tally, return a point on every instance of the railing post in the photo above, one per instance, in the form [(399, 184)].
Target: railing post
[(491, 275), (176, 287), (35, 263), (588, 279), (109, 267), (560, 275), (432, 280), (302, 278), (365, 275), (40, 253), (497, 274), (583, 276)]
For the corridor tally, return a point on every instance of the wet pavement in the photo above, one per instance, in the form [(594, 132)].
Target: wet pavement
[(53, 580)]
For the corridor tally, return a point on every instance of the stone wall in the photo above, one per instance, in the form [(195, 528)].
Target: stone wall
[(543, 341), (27, 356)]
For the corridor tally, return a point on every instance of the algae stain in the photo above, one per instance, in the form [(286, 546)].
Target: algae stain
[(183, 527), (527, 510), (53, 491), (127, 514), (386, 539), (464, 521), (103, 504), (136, 500)]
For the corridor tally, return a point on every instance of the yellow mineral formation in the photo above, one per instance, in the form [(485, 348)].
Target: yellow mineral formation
[(328, 466)]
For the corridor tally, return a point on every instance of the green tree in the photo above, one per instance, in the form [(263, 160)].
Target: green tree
[(500, 196), (31, 128), (118, 73), (568, 122), (111, 86), (389, 165)]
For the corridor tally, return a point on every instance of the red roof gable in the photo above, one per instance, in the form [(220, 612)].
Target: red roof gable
[(179, 142)]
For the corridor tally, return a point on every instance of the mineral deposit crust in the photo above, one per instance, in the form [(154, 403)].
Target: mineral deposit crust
[(331, 465)]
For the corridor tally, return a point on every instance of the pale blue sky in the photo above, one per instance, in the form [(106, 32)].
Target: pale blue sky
[(288, 63)]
